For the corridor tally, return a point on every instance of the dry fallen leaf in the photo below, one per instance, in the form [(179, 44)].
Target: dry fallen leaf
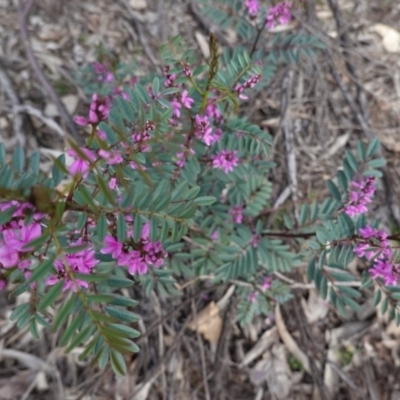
[(203, 44), (275, 370), (390, 37), (315, 307), (138, 4), (209, 323)]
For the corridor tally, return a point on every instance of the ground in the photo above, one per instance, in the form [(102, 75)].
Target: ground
[(352, 94)]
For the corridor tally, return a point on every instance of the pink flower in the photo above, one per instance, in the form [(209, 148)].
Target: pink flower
[(8, 256), (186, 100), (103, 72), (252, 7), (176, 105), (138, 260), (266, 283), (253, 297), (112, 158), (215, 235), (237, 213), (82, 261), (112, 246), (360, 196), (81, 166), (98, 111), (226, 160), (279, 14), (113, 183), (249, 83), (169, 78)]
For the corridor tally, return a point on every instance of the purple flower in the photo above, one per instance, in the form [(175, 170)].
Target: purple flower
[(226, 160), (237, 213), (176, 106), (98, 111), (103, 72), (266, 283), (215, 235), (139, 259), (112, 158), (82, 261), (252, 297), (253, 7), (81, 165), (248, 84), (279, 14), (186, 100), (360, 195)]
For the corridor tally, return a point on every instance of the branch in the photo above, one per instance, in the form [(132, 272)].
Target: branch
[(23, 12)]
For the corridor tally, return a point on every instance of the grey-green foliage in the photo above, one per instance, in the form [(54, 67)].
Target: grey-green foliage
[(331, 250)]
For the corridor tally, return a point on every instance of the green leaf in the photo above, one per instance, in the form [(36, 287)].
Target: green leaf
[(377, 163), (122, 314), (5, 216), (361, 151), (118, 282), (63, 313), (51, 296), (334, 190), (126, 330), (119, 300), (103, 356), (205, 200), (79, 338), (33, 328), (101, 228), (18, 159), (373, 147), (71, 328), (377, 298), (118, 363), (351, 303), (19, 311), (351, 160), (41, 270), (121, 228)]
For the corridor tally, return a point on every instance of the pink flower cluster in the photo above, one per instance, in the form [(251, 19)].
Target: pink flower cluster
[(103, 72), (169, 78), (375, 246), (265, 285), (184, 100), (15, 235), (226, 160), (279, 14), (253, 7), (81, 165), (249, 83), (360, 195), (98, 111), (136, 258), (237, 213), (82, 262)]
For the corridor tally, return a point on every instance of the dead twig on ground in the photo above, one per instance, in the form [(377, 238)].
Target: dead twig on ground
[(23, 12), (202, 354)]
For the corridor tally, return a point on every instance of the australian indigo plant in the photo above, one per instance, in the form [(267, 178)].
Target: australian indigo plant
[(172, 183)]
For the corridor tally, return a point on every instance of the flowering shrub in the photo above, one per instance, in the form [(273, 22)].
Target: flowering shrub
[(172, 183)]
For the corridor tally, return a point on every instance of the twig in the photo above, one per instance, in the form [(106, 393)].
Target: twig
[(39, 115), (23, 12), (15, 102), (286, 125), (202, 354), (205, 24), (137, 25)]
